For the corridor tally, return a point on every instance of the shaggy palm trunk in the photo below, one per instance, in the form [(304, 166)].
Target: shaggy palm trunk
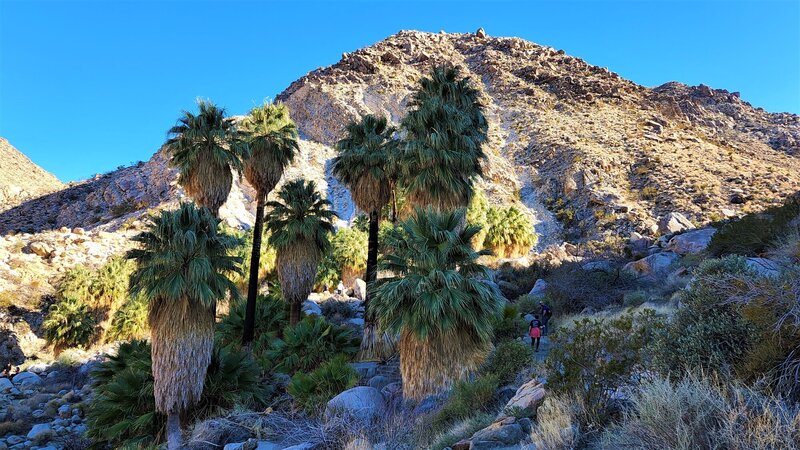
[(174, 437), (182, 336), (430, 366), (297, 269), (394, 202), (252, 286)]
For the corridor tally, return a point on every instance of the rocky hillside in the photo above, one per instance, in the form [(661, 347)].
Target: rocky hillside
[(587, 151), (20, 178)]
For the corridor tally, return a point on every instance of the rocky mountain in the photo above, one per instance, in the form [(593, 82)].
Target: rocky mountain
[(20, 178), (586, 151)]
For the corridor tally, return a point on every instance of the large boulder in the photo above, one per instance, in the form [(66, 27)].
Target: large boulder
[(527, 398), (653, 264), (674, 223), (26, 380), (360, 289), (40, 432), (694, 241), (362, 402), (311, 308), (598, 266), (538, 288), (502, 434)]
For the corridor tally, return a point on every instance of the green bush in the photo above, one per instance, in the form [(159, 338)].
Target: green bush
[(130, 321), (597, 356), (122, 410), (707, 333), (476, 215), (349, 250), (755, 233), (633, 299), (466, 399), (272, 315), (310, 343), (571, 289), (312, 391), (328, 274), (463, 429), (266, 263), (528, 304), (509, 233), (508, 324), (69, 323), (337, 311), (509, 359)]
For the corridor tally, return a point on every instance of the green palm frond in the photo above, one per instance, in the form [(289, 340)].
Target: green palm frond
[(183, 256), (273, 140), (300, 215), (364, 161), (438, 286), (445, 130)]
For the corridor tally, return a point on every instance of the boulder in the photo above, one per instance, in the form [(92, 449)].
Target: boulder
[(311, 308), (598, 266), (501, 434), (303, 446), (360, 289), (40, 248), (357, 322), (5, 385), (252, 444), (527, 398), (694, 241), (538, 288), (362, 402), (653, 264), (763, 266), (674, 223), (481, 33), (26, 380), (378, 382), (40, 431)]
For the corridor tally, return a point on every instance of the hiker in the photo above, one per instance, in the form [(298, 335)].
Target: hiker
[(545, 313), (535, 332)]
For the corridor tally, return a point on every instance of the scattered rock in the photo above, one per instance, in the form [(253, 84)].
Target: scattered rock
[(378, 382), (42, 249), (694, 241), (652, 264), (674, 223), (501, 434), (538, 288), (362, 402), (360, 289), (527, 398), (26, 380), (480, 33), (598, 266), (5, 385), (763, 266), (40, 431), (311, 308)]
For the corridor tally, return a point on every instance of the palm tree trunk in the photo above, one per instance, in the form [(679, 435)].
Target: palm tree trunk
[(394, 202), (372, 345), (294, 313), (174, 437), (252, 286)]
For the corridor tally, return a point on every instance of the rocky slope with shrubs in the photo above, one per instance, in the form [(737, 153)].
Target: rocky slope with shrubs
[(20, 178)]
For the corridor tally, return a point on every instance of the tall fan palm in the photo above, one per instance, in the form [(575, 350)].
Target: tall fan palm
[(272, 137), (363, 166), (300, 223), (438, 300), (445, 130), (205, 148), (183, 267)]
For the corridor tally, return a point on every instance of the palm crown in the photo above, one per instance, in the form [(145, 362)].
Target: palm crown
[(438, 286), (205, 147), (183, 256), (300, 215), (445, 129), (363, 160), (272, 137)]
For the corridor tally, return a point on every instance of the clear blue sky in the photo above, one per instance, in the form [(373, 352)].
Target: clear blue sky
[(88, 86)]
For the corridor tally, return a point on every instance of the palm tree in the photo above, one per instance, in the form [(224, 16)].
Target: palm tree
[(438, 300), (205, 148), (300, 223), (363, 166), (272, 137), (183, 263), (445, 130)]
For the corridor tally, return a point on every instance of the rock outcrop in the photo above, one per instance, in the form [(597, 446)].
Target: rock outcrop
[(21, 179)]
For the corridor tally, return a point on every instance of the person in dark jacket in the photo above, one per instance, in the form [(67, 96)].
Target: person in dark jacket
[(545, 312)]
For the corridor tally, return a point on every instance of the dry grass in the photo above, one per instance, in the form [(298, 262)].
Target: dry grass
[(700, 414), (557, 423)]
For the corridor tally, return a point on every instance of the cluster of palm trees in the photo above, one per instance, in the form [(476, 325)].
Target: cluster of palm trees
[(436, 298)]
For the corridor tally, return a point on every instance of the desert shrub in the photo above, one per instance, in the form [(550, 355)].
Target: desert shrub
[(109, 286), (634, 298), (312, 391), (467, 399), (509, 233), (75, 284), (521, 278), (349, 250), (130, 321), (786, 249), (700, 414), (69, 323), (122, 411), (476, 215), (462, 429), (754, 234), (558, 422), (337, 311), (311, 342), (508, 324), (596, 357), (528, 304), (271, 317), (508, 359), (706, 333), (328, 274), (571, 289)]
